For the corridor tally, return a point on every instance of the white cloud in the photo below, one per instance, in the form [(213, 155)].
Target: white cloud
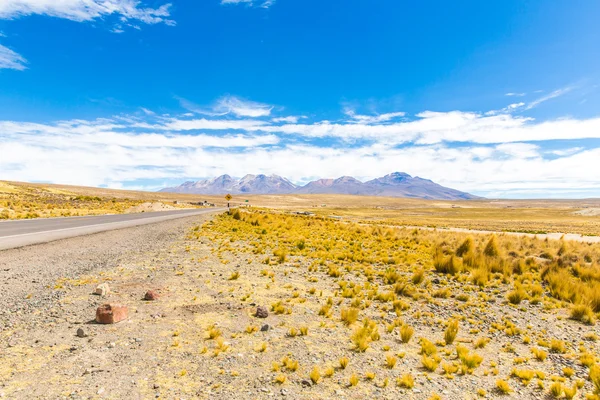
[(515, 94), (242, 108), (229, 105), (554, 94), (453, 126), (519, 150), (262, 4), (11, 60), (506, 110), (567, 152), (373, 119), (80, 11), (86, 10), (289, 120)]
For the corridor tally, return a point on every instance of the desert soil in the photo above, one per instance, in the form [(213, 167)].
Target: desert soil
[(164, 349)]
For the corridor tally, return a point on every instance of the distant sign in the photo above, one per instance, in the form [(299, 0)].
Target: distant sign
[(246, 201), (228, 197)]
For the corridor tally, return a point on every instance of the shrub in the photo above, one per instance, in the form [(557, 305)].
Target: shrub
[(539, 354), (390, 361), (558, 346), (234, 276), (516, 296), (470, 361), (430, 363), (427, 347), (315, 375), (354, 380), (418, 277), (406, 333), (407, 381), (503, 386), (480, 276), (570, 392), (349, 315), (449, 369), (344, 362), (481, 343), (451, 332), (466, 247), (525, 375), (491, 248), (556, 390), (446, 264), (583, 313), (595, 377)]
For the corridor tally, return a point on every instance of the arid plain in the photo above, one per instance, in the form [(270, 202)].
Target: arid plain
[(365, 297)]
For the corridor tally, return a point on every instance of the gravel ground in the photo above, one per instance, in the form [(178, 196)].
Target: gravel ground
[(29, 274)]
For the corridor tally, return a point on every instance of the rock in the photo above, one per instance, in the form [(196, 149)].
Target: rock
[(151, 295), (111, 313), (265, 328), (306, 383), (102, 289), (81, 333), (261, 312)]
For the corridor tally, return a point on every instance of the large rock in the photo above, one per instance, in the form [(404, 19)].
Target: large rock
[(261, 312), (111, 313), (151, 295), (102, 289)]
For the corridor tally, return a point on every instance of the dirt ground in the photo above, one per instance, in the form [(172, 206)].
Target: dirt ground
[(201, 338)]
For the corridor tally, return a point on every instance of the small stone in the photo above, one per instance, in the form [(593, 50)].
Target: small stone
[(306, 383), (111, 345), (81, 333), (111, 313), (102, 289), (261, 312), (265, 328), (151, 295)]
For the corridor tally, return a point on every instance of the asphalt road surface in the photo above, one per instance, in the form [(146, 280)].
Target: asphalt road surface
[(32, 231)]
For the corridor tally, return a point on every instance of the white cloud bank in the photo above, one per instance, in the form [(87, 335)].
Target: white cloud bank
[(128, 11), (85, 10), (488, 155)]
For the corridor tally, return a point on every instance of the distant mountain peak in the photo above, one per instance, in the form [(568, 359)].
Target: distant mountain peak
[(396, 184)]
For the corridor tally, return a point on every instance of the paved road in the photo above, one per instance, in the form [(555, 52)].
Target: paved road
[(32, 231)]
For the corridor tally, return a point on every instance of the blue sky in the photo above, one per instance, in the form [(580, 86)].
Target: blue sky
[(498, 98)]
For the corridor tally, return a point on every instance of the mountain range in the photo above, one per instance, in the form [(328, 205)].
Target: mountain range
[(397, 184)]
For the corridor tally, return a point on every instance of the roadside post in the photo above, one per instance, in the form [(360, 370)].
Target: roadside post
[(228, 198)]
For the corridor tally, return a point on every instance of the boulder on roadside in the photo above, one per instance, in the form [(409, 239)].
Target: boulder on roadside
[(111, 313), (102, 289), (151, 295), (261, 312)]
